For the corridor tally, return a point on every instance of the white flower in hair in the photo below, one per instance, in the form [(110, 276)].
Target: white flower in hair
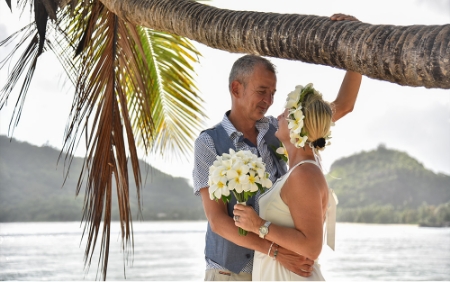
[(296, 124), (297, 139), (293, 97), (295, 114), (296, 117)]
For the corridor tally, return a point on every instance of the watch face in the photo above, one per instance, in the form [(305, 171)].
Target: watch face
[(264, 230)]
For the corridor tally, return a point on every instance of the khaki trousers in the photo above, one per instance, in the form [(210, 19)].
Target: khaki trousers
[(226, 275)]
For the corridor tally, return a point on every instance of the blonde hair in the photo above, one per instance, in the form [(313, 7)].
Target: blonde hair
[(318, 115)]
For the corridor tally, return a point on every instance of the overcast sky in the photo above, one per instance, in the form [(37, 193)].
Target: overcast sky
[(413, 120)]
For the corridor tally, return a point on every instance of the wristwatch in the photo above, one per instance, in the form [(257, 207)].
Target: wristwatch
[(264, 229)]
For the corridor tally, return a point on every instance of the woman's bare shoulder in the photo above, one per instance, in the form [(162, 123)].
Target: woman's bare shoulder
[(306, 177)]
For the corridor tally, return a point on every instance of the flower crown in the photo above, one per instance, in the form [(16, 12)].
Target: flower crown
[(295, 118)]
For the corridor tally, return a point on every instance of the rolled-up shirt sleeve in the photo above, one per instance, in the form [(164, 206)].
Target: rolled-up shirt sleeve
[(204, 156)]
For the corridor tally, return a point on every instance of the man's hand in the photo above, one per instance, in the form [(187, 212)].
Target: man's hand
[(294, 262)]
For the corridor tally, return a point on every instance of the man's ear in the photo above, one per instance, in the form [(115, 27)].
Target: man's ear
[(236, 88)]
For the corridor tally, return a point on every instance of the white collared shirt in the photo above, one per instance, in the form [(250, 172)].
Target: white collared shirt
[(205, 155)]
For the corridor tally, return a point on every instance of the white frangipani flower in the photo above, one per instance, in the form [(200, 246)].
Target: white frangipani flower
[(301, 140), (241, 172), (296, 117), (252, 180), (265, 180), (218, 190), (281, 151)]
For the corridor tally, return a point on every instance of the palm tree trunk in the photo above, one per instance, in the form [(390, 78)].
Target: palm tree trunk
[(415, 55)]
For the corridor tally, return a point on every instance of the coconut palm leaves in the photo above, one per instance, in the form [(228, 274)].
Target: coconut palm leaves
[(176, 107), (27, 61), (35, 35), (132, 85)]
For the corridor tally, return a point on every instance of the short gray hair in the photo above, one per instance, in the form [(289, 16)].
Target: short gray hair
[(244, 66)]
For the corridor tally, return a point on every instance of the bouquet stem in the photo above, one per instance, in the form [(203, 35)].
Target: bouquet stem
[(241, 201)]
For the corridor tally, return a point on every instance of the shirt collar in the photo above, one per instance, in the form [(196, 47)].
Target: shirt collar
[(233, 132)]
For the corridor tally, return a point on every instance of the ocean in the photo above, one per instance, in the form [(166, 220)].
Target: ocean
[(173, 251)]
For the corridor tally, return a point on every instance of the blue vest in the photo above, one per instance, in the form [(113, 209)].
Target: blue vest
[(218, 249)]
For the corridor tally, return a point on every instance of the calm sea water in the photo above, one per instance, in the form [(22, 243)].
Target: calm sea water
[(174, 251)]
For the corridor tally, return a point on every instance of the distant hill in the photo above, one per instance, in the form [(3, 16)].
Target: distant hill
[(31, 188), (386, 185), (380, 186)]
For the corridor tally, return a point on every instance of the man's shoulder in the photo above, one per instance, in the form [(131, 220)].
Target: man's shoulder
[(206, 133), (203, 136)]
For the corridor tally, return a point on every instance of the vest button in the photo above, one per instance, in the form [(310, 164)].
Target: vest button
[(247, 255)]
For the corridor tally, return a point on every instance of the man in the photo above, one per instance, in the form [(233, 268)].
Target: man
[(252, 85)]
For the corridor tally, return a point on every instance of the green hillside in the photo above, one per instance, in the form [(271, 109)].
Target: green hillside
[(31, 188), (380, 186), (388, 186)]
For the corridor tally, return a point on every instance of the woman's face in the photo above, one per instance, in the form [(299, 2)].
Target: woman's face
[(283, 130)]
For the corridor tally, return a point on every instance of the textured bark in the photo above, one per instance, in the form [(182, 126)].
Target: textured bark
[(415, 55)]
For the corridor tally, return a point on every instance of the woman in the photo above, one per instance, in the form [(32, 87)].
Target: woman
[(295, 208)]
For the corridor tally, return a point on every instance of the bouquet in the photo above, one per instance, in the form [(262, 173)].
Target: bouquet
[(242, 173)]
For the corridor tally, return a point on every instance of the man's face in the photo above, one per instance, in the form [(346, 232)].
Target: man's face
[(258, 93)]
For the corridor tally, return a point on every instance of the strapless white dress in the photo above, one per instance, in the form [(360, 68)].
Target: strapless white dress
[(273, 209)]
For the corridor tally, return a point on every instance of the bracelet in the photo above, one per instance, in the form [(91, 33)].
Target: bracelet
[(275, 252), (268, 253)]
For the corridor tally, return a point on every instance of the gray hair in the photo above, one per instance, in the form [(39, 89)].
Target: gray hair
[(244, 66)]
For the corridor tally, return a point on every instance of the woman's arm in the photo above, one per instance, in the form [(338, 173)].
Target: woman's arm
[(346, 98), (305, 192), (222, 224)]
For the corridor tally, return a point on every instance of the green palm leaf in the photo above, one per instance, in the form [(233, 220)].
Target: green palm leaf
[(176, 107), (132, 85)]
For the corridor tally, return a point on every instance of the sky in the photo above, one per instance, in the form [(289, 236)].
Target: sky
[(414, 120)]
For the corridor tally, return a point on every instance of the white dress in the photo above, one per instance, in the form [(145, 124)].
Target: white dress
[(273, 209)]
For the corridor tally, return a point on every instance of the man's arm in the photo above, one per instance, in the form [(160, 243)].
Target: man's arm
[(216, 211), (222, 224)]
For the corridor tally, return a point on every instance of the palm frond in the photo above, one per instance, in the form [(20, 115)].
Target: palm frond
[(8, 2), (36, 34), (27, 61), (113, 67), (131, 84), (50, 7), (176, 107)]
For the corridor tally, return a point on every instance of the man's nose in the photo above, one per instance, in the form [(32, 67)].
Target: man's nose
[(268, 99)]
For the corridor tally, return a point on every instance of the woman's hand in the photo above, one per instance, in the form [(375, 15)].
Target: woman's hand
[(246, 218), (343, 17)]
